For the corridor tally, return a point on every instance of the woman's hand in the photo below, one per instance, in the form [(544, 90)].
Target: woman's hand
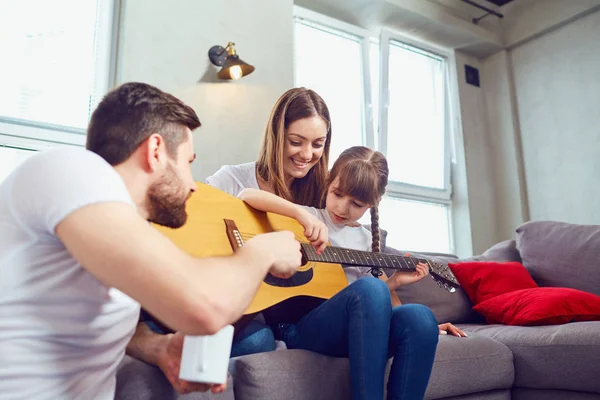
[(314, 230), (448, 328)]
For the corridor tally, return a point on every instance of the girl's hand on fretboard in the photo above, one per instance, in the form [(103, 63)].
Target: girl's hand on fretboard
[(403, 278)]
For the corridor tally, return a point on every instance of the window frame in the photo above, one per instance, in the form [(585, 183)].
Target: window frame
[(365, 37), (15, 132), (400, 189), (382, 37)]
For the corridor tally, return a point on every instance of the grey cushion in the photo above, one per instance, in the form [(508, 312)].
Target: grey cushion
[(537, 394), (469, 365), (565, 357), (462, 366), (491, 395), (560, 254), (137, 380), (500, 252), (451, 307), (291, 375)]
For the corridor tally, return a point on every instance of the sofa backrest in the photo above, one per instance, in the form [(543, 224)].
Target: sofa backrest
[(447, 307), (451, 307), (559, 254)]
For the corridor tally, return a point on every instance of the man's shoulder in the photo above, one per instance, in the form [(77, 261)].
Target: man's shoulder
[(68, 156)]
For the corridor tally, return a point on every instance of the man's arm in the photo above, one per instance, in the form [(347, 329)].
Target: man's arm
[(196, 296)]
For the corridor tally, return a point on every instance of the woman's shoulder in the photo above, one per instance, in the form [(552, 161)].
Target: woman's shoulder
[(237, 170), (234, 178)]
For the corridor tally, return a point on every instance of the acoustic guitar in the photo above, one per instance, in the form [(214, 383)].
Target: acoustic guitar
[(218, 224)]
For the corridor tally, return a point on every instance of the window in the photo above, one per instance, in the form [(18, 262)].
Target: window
[(334, 70), (55, 64), (415, 117), (390, 94)]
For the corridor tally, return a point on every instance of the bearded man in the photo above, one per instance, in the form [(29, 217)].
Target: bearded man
[(78, 257)]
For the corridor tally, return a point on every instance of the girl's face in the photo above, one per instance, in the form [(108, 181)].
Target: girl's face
[(304, 145), (343, 209)]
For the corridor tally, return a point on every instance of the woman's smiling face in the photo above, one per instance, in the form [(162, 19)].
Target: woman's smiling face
[(304, 145)]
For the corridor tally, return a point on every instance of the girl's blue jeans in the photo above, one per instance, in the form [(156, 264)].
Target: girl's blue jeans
[(359, 323)]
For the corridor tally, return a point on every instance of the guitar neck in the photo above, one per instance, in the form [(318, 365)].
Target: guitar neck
[(339, 255)]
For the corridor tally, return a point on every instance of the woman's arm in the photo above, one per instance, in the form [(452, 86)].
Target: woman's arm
[(314, 229), (268, 202)]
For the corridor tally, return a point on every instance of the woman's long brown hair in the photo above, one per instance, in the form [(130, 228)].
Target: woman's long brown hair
[(363, 174), (293, 105)]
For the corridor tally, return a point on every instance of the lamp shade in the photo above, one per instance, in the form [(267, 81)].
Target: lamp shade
[(234, 68), (231, 65)]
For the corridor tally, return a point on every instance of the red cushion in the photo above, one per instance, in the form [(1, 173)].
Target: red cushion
[(541, 306), (484, 280)]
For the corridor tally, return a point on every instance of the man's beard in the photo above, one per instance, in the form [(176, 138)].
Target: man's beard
[(166, 203)]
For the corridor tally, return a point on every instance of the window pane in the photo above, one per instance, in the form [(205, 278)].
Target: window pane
[(329, 62), (10, 158), (49, 51), (415, 138), (414, 225)]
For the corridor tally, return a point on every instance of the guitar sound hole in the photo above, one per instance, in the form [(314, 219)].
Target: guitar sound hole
[(299, 278)]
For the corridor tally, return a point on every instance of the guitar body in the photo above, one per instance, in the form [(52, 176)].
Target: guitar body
[(204, 235)]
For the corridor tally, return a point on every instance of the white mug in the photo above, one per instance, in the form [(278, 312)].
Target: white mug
[(206, 358)]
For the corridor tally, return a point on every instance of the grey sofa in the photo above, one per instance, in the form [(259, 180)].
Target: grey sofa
[(494, 362)]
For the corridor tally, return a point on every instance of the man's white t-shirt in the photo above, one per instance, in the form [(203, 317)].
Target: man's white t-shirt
[(62, 332), (234, 178)]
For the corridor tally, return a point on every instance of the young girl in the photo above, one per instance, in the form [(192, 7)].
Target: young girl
[(359, 322)]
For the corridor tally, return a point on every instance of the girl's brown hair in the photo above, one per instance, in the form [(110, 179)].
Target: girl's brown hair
[(293, 105), (363, 174)]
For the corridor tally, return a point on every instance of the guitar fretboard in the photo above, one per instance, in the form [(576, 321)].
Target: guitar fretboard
[(340, 255)]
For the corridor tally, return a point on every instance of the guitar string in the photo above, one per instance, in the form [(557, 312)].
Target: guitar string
[(310, 264), (248, 235)]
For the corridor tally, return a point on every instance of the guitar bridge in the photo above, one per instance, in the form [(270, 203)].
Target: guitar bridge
[(233, 234)]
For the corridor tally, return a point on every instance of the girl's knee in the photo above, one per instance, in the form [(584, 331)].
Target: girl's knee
[(256, 337), (371, 294), (417, 319), (372, 287)]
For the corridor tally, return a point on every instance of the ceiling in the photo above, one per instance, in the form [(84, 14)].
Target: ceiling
[(445, 22)]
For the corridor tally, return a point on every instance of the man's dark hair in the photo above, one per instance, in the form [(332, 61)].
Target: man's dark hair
[(132, 112)]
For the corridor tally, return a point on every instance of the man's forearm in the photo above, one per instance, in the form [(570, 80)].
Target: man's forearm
[(146, 345)]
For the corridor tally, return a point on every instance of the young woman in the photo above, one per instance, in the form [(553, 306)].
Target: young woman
[(293, 164), (359, 322)]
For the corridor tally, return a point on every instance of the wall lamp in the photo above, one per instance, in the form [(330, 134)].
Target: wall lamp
[(227, 58)]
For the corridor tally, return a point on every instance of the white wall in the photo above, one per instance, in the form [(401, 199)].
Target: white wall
[(165, 43), (525, 19), (557, 81), (473, 198), (504, 146)]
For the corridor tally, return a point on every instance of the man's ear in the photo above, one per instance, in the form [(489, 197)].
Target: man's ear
[(153, 151)]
